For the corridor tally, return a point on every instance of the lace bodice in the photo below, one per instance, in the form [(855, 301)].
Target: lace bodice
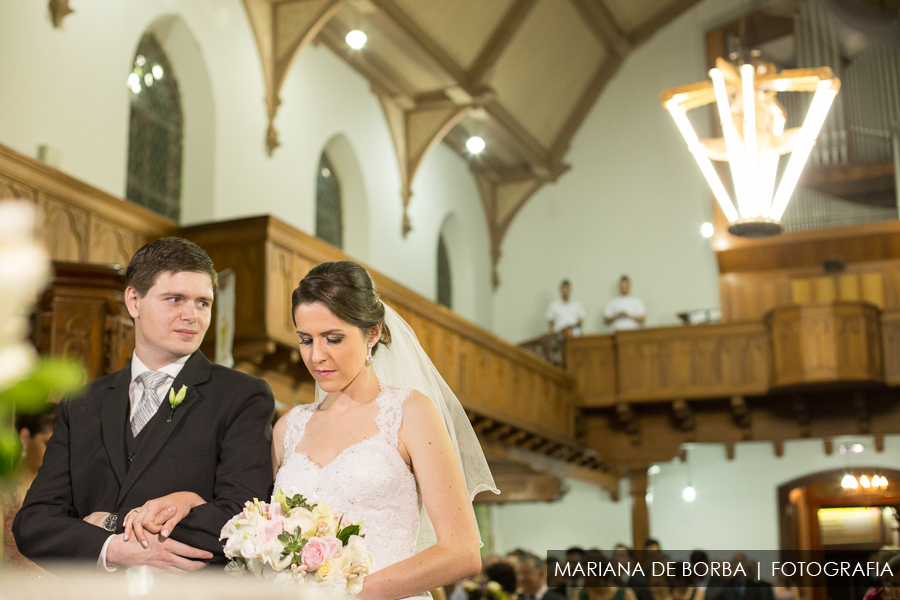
[(368, 481)]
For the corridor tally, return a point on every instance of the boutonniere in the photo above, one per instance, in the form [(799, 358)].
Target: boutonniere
[(175, 400)]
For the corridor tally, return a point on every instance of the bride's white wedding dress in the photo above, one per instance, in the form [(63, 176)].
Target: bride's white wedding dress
[(368, 481)]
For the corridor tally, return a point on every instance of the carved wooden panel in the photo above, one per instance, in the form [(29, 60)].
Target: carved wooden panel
[(827, 342), (112, 245), (890, 336), (592, 362), (704, 361), (76, 222), (82, 315)]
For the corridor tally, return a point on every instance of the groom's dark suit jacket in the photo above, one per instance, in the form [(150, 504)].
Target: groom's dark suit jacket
[(217, 446)]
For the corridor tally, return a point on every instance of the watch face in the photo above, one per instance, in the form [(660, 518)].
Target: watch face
[(110, 523)]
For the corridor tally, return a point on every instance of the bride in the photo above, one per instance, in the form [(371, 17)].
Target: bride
[(386, 442)]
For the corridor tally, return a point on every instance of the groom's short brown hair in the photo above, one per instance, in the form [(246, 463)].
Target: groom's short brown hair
[(167, 255)]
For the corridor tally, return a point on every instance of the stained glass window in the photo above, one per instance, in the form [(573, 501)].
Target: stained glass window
[(329, 214), (156, 132)]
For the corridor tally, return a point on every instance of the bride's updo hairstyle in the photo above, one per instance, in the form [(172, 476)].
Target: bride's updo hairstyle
[(347, 290)]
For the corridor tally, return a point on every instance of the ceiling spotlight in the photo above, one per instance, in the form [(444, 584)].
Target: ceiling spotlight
[(864, 481), (653, 470), (475, 144), (689, 494), (857, 448), (707, 230), (356, 39)]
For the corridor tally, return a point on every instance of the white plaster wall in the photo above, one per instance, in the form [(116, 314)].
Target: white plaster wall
[(633, 201), (736, 507), (584, 517), (66, 87)]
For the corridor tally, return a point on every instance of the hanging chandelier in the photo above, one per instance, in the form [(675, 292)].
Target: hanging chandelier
[(753, 136)]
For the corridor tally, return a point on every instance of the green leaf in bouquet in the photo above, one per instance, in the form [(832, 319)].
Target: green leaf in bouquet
[(51, 377), (289, 502), (345, 533), (10, 449)]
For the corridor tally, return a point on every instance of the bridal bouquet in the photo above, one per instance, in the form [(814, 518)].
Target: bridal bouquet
[(291, 540)]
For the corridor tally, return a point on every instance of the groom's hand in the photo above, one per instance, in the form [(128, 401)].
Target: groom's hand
[(168, 555)]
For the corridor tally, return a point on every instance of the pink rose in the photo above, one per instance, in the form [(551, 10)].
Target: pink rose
[(319, 549), (273, 530)]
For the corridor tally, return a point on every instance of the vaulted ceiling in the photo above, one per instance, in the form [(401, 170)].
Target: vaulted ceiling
[(521, 74)]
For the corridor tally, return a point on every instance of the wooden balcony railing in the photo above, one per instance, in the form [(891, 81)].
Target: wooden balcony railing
[(831, 343), (551, 347), (77, 222)]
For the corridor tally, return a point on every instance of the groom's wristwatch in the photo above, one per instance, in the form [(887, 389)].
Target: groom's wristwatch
[(109, 523)]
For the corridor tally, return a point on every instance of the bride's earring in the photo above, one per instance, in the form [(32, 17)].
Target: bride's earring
[(369, 357)]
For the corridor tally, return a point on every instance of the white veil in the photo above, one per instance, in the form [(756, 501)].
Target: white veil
[(406, 365)]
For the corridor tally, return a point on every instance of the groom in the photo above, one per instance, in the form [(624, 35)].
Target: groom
[(121, 443)]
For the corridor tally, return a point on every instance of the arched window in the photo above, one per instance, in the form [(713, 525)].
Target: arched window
[(329, 216), (156, 132), (444, 278)]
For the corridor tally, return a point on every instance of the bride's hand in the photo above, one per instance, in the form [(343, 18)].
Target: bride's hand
[(159, 516)]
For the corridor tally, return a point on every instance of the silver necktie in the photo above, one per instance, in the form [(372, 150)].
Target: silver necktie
[(150, 400)]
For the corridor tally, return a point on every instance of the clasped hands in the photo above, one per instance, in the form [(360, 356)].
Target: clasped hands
[(158, 517)]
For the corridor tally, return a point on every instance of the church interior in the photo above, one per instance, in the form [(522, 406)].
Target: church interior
[(475, 155)]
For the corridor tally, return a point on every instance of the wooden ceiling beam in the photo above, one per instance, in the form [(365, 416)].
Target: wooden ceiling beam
[(423, 40), (604, 26), (499, 39), (518, 138), (384, 78), (278, 53)]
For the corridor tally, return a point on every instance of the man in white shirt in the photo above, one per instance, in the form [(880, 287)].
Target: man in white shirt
[(624, 311), (565, 313)]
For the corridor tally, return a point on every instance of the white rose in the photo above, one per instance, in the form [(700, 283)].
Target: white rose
[(271, 554), (331, 568), (251, 549), (299, 517), (233, 546), (357, 553), (324, 514), (229, 530)]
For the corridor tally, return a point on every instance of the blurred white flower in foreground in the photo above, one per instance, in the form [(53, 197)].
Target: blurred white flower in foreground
[(24, 271)]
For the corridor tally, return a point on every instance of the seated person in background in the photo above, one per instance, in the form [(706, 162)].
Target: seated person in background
[(533, 580), (34, 430), (565, 315), (624, 311), (504, 574)]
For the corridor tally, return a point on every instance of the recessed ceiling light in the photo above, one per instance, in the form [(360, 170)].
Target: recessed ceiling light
[(707, 230), (475, 144), (356, 39)]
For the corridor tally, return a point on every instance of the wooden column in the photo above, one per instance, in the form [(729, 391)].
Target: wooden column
[(640, 518)]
